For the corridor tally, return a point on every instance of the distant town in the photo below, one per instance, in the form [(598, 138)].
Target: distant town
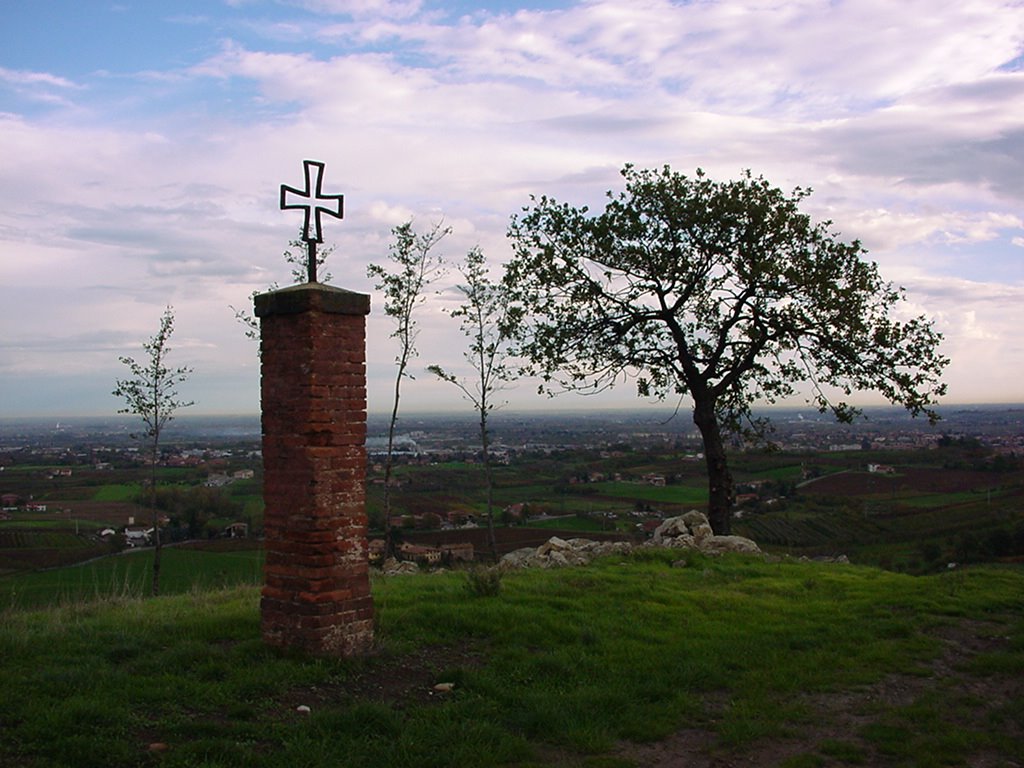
[(191, 440), (74, 488)]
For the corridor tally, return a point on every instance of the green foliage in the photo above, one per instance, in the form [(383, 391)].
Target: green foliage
[(694, 283), (483, 582), (190, 509), (723, 292), (486, 322), (414, 264), (150, 391)]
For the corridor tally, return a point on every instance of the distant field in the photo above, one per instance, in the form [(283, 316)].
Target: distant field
[(117, 492), (790, 472), (17, 538), (58, 523), (582, 524), (917, 479), (948, 499), (669, 494)]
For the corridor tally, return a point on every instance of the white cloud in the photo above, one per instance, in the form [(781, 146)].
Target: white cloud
[(899, 115), (884, 230), (38, 87), (20, 78), (394, 9)]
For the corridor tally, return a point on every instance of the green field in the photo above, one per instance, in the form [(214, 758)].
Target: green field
[(117, 492), (679, 495), (575, 523), (786, 472), (130, 575), (60, 523), (39, 536), (933, 500)]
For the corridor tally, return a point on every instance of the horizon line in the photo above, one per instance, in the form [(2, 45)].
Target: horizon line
[(498, 412)]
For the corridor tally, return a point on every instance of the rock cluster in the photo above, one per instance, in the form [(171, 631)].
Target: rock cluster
[(693, 531), (689, 531), (393, 567), (557, 553)]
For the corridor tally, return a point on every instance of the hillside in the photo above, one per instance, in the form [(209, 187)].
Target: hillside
[(637, 660)]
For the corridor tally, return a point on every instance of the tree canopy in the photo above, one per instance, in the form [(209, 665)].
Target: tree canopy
[(723, 292)]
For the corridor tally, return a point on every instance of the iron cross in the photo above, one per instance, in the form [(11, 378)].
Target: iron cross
[(316, 203)]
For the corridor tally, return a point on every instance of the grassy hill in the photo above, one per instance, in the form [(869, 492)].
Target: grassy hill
[(632, 661)]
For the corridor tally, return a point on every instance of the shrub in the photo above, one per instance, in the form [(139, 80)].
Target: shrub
[(483, 582)]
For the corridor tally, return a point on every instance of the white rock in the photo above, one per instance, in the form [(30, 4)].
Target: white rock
[(556, 560), (669, 529), (554, 544), (702, 531), (393, 567), (694, 517), (714, 545), (683, 541), (518, 558)]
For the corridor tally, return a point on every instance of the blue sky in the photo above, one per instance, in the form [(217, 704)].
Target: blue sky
[(142, 145)]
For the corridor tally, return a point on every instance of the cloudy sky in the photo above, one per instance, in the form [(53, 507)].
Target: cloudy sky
[(143, 142)]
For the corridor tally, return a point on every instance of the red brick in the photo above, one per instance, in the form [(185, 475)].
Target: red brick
[(317, 590)]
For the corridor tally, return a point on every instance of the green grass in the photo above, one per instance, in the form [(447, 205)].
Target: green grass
[(559, 668), (130, 575)]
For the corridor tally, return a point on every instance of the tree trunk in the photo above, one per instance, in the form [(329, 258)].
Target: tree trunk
[(390, 550), (155, 589), (721, 493), (489, 477)]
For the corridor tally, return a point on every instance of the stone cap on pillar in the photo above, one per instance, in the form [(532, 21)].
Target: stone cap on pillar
[(306, 297)]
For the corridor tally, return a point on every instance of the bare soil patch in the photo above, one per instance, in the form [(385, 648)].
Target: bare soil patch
[(922, 480), (399, 680)]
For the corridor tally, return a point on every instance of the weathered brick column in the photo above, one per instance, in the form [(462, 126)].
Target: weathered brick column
[(316, 593)]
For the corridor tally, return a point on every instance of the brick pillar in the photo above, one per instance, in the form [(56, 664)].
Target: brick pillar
[(316, 593)]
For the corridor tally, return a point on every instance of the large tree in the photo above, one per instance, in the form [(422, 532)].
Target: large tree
[(722, 292)]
